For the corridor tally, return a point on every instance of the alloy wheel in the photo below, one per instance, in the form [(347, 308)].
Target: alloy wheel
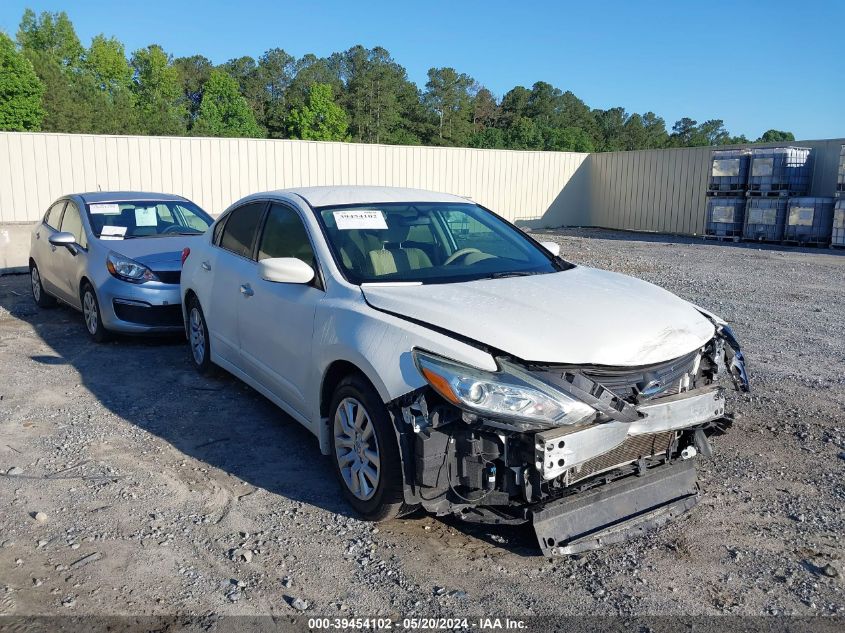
[(89, 311), (36, 284), (197, 336), (356, 448)]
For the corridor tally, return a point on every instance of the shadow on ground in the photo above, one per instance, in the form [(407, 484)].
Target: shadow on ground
[(150, 382)]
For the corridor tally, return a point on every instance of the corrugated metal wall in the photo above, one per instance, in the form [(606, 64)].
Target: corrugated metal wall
[(36, 168), (649, 190), (663, 190)]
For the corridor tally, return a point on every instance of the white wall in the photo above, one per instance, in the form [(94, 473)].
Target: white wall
[(36, 168)]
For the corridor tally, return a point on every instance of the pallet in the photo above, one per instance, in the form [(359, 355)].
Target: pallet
[(806, 243), (716, 189), (739, 193), (723, 238), (774, 194)]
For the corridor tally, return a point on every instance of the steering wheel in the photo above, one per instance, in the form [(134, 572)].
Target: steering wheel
[(173, 228), (463, 252)]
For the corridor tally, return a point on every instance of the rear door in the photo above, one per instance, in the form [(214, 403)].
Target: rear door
[(232, 268), (44, 253), (276, 320)]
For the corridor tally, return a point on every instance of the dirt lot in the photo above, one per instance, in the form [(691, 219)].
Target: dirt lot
[(163, 493)]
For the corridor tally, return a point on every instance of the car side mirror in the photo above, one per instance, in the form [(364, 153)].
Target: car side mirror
[(552, 247), (285, 270), (63, 238)]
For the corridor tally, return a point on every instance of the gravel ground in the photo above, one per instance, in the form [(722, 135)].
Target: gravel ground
[(130, 486)]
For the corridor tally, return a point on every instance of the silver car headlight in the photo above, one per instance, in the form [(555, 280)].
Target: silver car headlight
[(128, 269), (508, 394)]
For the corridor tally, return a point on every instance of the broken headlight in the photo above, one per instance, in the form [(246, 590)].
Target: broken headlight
[(508, 394)]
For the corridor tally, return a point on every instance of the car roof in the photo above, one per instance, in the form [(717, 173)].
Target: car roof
[(126, 196), (354, 194)]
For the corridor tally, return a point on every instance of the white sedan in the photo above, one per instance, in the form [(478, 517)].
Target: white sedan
[(445, 359)]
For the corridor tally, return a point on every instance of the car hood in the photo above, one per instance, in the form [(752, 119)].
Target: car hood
[(153, 251), (581, 316)]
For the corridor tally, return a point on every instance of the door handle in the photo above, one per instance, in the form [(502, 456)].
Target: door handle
[(205, 266), (246, 290)]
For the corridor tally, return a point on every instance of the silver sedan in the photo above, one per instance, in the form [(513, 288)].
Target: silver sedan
[(117, 257)]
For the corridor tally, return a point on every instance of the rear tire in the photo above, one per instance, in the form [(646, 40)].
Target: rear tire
[(198, 341), (364, 450), (92, 315), (39, 295)]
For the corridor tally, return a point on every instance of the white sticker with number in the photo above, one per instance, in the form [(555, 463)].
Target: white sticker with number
[(353, 219), (105, 209)]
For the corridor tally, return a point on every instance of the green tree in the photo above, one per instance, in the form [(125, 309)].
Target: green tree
[(194, 72), (776, 136), (276, 70), (20, 90), (53, 34), (320, 119), (449, 95), (158, 92), (382, 104), (223, 111), (656, 135)]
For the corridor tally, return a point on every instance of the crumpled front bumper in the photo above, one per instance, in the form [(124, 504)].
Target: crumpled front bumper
[(615, 511), (559, 450)]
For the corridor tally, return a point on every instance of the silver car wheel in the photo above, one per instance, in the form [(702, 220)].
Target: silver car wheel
[(356, 448), (89, 311), (36, 284), (197, 336)]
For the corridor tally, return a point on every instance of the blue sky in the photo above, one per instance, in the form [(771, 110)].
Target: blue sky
[(757, 65)]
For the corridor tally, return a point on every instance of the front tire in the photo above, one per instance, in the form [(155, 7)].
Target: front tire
[(92, 315), (39, 295), (198, 340), (365, 451)]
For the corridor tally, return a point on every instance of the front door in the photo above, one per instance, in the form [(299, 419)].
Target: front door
[(276, 320)]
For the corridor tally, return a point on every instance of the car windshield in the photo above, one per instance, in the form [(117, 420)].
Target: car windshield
[(429, 243), (147, 218)]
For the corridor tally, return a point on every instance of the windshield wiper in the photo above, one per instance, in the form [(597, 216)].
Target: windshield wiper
[(513, 273)]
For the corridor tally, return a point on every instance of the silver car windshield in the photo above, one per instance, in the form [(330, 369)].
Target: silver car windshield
[(148, 218), (429, 243)]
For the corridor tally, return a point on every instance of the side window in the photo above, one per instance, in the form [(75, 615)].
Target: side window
[(54, 215), (72, 223), (241, 227), (285, 236), (218, 231)]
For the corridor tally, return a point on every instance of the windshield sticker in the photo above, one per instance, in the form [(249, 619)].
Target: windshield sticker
[(113, 232), (146, 216), (105, 209), (351, 220)]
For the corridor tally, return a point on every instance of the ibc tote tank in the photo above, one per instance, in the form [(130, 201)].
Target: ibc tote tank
[(837, 237), (787, 170), (809, 220), (725, 216), (840, 177), (729, 170), (765, 219)]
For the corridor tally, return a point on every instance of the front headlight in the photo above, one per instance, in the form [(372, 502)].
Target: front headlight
[(128, 269), (509, 394)]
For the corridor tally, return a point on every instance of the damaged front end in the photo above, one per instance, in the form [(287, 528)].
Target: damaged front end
[(587, 455)]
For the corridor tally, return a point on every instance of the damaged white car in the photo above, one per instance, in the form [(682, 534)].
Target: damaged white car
[(445, 359)]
